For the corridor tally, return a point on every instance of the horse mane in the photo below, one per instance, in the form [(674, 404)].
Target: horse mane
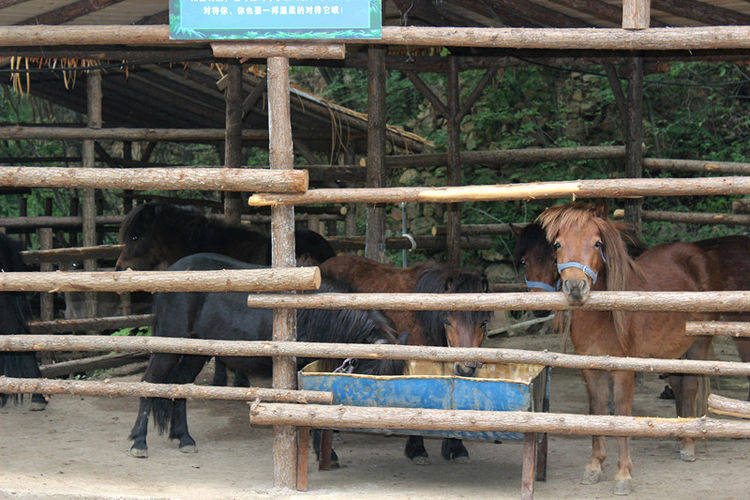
[(531, 236), (620, 267), (11, 261), (441, 278)]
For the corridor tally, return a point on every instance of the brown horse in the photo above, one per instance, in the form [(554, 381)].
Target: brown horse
[(440, 328), (591, 255)]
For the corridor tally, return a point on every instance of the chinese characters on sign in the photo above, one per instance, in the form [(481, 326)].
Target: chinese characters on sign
[(274, 19)]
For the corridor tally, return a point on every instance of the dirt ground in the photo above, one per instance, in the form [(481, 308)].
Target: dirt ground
[(78, 447)]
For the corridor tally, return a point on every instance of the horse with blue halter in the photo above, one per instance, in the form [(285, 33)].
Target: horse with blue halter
[(225, 316), (591, 255), (14, 309)]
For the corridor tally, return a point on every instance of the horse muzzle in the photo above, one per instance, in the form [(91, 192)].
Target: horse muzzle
[(576, 291), (466, 369)]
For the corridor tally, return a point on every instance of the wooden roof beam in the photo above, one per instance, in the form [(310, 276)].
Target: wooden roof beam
[(66, 13), (507, 16), (10, 3), (601, 10), (701, 11), (421, 12), (161, 17), (538, 14)]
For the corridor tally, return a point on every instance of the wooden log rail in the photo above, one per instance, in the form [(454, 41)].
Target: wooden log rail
[(507, 156), (236, 280), (722, 167), (72, 254), (702, 37), (691, 217), (604, 188), (364, 351), (298, 50), (19, 132), (727, 406), (729, 328), (477, 229), (87, 324), (91, 364), (420, 419), (341, 243), (110, 389), (22, 224), (206, 179), (733, 301)]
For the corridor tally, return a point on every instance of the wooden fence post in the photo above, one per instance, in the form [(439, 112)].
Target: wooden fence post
[(88, 202), (233, 139), (282, 239), (376, 121), (453, 215), (633, 144)]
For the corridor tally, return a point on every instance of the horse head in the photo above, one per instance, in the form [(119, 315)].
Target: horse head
[(534, 255), (586, 244), (454, 328), (142, 249)]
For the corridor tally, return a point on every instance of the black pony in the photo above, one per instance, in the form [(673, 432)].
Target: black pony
[(156, 235), (14, 309), (225, 316)]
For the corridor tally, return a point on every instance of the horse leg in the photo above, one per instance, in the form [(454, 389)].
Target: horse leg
[(691, 399), (188, 370), (38, 401), (624, 389), (597, 385), (334, 460), (415, 450), (220, 373), (454, 449), (159, 366), (241, 380)]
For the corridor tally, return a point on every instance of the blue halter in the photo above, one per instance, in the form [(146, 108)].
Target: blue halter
[(544, 286), (586, 269)]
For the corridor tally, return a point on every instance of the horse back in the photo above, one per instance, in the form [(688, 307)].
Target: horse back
[(732, 255), (677, 267)]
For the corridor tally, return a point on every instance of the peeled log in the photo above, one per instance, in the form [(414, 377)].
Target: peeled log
[(264, 50), (236, 280), (206, 179), (730, 328), (418, 419), (728, 406), (599, 188), (145, 389)]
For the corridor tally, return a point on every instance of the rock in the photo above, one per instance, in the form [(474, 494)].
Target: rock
[(501, 272), (410, 177)]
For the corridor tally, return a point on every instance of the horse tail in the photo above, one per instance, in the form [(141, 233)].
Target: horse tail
[(162, 408)]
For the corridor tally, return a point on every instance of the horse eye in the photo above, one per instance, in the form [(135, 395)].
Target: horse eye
[(556, 245), (523, 262), (134, 237), (598, 244)]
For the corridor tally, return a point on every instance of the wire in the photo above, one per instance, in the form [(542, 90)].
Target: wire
[(120, 65)]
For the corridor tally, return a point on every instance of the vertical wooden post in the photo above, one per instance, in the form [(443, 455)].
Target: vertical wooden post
[(529, 464), (282, 242), (303, 455), (636, 14), (88, 198), (634, 142), (233, 138), (453, 214), (376, 120), (46, 302), (23, 211), (126, 306), (75, 205)]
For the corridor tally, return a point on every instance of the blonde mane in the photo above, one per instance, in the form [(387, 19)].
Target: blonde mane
[(620, 267)]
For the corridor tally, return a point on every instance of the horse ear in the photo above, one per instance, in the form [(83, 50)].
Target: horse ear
[(516, 230), (448, 284), (601, 209)]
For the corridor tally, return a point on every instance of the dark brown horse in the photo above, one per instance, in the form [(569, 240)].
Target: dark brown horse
[(591, 255), (440, 328)]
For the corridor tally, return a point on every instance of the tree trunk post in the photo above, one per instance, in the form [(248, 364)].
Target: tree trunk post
[(282, 242), (88, 196), (453, 215), (233, 139), (634, 143), (376, 121)]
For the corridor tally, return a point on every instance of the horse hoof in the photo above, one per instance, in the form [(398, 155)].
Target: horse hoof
[(191, 448), (37, 406), (139, 453), (462, 460), (591, 477), (421, 460), (687, 455), (624, 487)]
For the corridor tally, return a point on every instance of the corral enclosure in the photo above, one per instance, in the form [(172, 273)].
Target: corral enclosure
[(142, 90)]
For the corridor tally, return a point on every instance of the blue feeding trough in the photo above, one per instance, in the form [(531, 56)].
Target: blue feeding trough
[(495, 387)]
